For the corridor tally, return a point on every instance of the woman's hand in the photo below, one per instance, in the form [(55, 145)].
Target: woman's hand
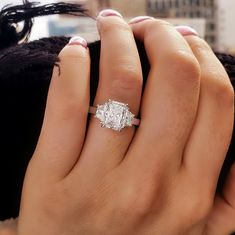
[(154, 180)]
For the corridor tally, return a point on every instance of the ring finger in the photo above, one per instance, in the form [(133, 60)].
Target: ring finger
[(120, 80)]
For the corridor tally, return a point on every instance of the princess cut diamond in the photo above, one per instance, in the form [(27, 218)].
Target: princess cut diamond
[(114, 115)]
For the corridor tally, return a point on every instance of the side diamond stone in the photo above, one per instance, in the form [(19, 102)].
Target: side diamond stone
[(100, 113), (128, 118)]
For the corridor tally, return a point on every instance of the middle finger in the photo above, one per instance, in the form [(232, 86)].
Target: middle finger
[(120, 80)]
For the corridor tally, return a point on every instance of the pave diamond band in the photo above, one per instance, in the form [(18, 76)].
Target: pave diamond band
[(114, 115)]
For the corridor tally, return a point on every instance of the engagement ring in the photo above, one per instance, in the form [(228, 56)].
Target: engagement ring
[(114, 115)]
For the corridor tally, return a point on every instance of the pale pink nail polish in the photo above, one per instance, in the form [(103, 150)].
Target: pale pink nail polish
[(186, 30), (109, 12), (140, 19), (77, 40)]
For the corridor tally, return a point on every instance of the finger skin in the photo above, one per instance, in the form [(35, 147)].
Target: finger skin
[(120, 80), (170, 99), (64, 124), (211, 134), (222, 218)]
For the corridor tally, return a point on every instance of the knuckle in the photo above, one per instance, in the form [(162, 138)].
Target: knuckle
[(227, 94), (198, 207), (184, 65), (129, 78), (106, 26), (138, 202), (134, 209), (198, 44), (185, 62), (220, 89)]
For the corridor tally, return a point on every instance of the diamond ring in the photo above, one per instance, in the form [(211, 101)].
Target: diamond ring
[(114, 115)]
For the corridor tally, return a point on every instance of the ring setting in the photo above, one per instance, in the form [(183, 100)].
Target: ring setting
[(114, 115)]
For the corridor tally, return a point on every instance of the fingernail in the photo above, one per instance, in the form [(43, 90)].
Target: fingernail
[(140, 19), (109, 12), (77, 40), (186, 30)]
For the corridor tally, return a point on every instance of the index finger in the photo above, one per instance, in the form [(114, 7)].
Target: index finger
[(64, 125)]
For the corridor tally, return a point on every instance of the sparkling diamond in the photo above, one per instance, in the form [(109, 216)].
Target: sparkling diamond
[(114, 115)]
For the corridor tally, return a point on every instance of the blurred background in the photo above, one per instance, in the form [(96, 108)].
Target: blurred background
[(213, 19)]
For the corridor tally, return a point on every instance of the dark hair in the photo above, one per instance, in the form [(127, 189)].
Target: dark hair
[(25, 72)]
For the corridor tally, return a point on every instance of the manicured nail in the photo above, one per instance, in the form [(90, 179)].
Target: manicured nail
[(140, 19), (186, 30), (109, 12), (77, 40)]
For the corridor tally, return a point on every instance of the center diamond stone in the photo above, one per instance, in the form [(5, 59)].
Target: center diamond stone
[(114, 115)]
